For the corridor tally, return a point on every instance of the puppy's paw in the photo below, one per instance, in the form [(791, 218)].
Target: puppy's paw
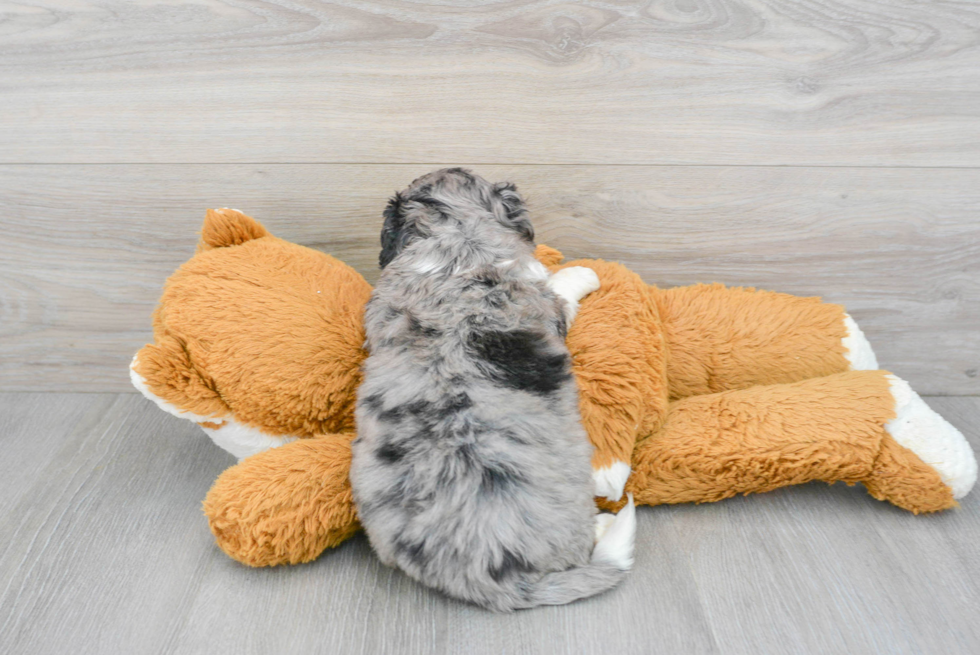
[(611, 480)]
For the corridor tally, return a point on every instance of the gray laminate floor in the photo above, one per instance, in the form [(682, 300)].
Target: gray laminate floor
[(105, 550)]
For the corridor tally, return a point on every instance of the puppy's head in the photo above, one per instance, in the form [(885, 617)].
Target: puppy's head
[(450, 199)]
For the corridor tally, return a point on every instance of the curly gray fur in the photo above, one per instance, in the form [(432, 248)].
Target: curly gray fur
[(471, 469)]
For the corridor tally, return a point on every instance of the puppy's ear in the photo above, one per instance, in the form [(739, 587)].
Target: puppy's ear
[(397, 230), (515, 213)]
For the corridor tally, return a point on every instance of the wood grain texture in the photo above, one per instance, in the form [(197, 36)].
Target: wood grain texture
[(104, 550), (828, 82), (86, 249)]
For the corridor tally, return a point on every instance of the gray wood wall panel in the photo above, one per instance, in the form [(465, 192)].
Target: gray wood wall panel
[(696, 82), (87, 248), (104, 550)]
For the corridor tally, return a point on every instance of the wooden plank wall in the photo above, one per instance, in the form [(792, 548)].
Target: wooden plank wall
[(827, 148)]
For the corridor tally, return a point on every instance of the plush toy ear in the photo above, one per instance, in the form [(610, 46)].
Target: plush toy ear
[(228, 227), (515, 213), (399, 230)]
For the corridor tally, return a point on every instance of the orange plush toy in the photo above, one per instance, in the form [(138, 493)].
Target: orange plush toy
[(692, 394)]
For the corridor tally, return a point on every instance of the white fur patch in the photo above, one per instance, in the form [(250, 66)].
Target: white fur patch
[(927, 434), (611, 480), (858, 350), (573, 284), (427, 266), (243, 440), (602, 522), (238, 439), (537, 271), (616, 545)]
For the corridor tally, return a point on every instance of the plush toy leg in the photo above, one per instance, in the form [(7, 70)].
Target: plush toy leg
[(610, 470), (617, 353), (285, 505), (722, 338), (860, 426), (920, 430)]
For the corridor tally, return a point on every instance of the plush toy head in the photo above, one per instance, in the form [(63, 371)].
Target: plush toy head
[(257, 339)]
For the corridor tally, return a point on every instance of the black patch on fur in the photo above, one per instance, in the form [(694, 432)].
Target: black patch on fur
[(417, 328), (374, 402), (466, 456), (439, 207), (561, 325), (426, 412), (415, 551), (497, 298), (515, 210), (462, 172), (521, 360), (498, 478), (515, 438), (396, 232), (419, 408), (510, 564), (390, 453), (456, 404), (487, 278), (453, 468)]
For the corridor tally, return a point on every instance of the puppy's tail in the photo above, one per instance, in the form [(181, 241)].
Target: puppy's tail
[(612, 557), (228, 227)]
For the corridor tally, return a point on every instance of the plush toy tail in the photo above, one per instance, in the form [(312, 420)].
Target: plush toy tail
[(228, 227)]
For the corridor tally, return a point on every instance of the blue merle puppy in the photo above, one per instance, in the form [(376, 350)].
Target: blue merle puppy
[(471, 469)]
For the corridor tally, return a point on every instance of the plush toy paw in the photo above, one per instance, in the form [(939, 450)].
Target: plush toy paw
[(615, 545), (858, 351), (927, 434), (611, 480), (573, 284)]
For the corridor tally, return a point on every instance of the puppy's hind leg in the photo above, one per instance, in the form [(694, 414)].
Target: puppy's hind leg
[(573, 284)]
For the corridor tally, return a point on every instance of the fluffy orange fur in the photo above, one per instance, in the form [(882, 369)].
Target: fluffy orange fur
[(259, 328), (694, 386)]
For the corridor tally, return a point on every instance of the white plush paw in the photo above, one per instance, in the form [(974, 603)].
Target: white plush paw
[(615, 547), (611, 480), (574, 283), (858, 351), (937, 443)]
